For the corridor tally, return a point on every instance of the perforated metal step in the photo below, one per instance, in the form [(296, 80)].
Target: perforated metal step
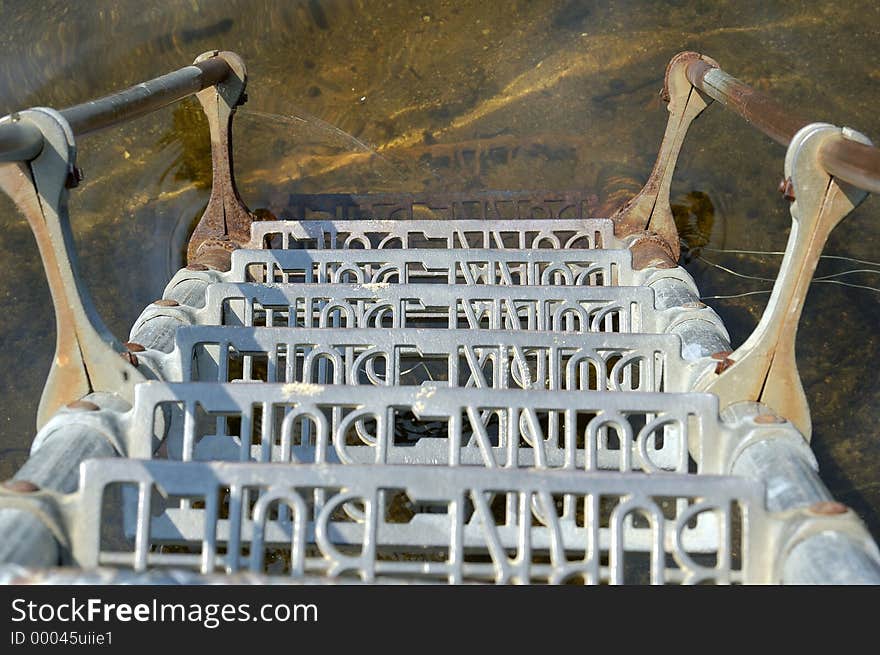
[(454, 524), (559, 234), (466, 266), (388, 305)]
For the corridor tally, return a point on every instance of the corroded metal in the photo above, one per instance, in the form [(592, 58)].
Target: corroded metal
[(847, 159), (147, 96), (648, 213), (226, 223)]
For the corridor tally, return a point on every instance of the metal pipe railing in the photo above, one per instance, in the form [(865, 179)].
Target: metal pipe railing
[(20, 141), (843, 158)]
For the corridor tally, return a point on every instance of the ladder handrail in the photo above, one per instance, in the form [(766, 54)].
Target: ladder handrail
[(21, 142), (846, 159)]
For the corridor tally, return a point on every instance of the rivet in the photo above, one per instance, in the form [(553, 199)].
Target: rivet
[(786, 188), (724, 362)]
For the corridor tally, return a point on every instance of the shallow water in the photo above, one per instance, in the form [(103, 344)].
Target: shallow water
[(413, 96)]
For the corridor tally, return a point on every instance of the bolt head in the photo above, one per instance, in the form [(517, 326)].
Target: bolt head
[(786, 188), (724, 361)]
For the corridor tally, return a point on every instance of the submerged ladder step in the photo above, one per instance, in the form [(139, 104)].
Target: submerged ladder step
[(559, 234)]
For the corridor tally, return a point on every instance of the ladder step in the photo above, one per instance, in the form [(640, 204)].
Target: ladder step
[(426, 424), (465, 266), (558, 234), (386, 305), (453, 524), (411, 356)]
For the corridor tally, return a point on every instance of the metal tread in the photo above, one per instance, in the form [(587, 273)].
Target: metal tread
[(432, 523), (464, 266), (387, 305), (424, 425), (410, 356), (565, 234)]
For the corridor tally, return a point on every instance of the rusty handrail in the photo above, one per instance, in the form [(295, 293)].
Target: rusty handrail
[(19, 141), (848, 160)]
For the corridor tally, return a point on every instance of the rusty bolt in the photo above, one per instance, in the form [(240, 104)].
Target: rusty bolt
[(196, 267), (768, 418), (83, 406), (21, 486), (786, 188), (134, 347), (130, 357), (724, 361), (828, 507), (696, 304), (164, 302)]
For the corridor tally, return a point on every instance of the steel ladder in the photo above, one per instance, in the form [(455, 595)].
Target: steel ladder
[(491, 387)]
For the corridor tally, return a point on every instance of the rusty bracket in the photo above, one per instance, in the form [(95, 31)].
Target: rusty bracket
[(646, 220), (87, 357), (764, 368), (226, 223)]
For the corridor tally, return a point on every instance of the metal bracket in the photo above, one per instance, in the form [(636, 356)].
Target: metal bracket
[(226, 223), (787, 529), (87, 357), (764, 368), (648, 214), (57, 511)]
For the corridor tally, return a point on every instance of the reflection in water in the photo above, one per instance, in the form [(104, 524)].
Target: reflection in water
[(355, 96), (189, 135), (694, 219)]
